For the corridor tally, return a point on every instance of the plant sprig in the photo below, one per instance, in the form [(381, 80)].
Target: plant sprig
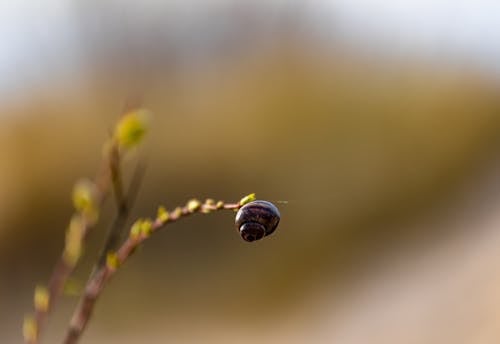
[(140, 231), (88, 197)]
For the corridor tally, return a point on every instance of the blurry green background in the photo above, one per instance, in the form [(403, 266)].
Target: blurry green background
[(386, 157)]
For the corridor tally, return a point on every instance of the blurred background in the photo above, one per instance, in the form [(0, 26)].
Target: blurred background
[(377, 121)]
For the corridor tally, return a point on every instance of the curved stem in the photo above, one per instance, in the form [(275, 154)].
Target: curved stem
[(98, 280), (108, 174)]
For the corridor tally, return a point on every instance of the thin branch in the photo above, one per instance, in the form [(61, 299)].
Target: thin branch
[(116, 180), (124, 204), (107, 174), (98, 281), (63, 269)]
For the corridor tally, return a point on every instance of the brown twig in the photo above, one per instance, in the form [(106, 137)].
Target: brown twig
[(99, 279), (109, 173), (124, 204), (63, 267)]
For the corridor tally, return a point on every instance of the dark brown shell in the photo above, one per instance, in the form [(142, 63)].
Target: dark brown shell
[(257, 219)]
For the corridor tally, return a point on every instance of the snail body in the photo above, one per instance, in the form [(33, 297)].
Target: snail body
[(256, 220)]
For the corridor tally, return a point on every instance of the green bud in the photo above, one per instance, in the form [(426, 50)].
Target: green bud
[(146, 227), (162, 214), (206, 210), (135, 231), (73, 243), (177, 213), (112, 261), (131, 128), (30, 329), (193, 205), (83, 196), (41, 299), (247, 199)]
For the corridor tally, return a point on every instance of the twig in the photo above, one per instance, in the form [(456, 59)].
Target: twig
[(128, 133), (116, 180), (63, 267), (97, 283), (124, 204)]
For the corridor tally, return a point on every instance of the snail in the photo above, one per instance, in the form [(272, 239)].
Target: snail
[(256, 220)]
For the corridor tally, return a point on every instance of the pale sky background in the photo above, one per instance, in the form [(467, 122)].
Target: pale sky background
[(39, 38)]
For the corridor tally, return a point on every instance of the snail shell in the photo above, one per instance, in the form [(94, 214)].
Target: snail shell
[(256, 220)]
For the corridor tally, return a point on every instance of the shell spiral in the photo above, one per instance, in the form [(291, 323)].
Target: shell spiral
[(256, 220)]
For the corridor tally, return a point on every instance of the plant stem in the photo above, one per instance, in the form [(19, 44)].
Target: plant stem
[(98, 280), (123, 203), (63, 269)]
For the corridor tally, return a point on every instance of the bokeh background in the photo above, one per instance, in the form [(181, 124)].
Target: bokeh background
[(374, 125)]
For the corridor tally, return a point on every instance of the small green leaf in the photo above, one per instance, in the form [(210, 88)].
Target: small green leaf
[(162, 214), (112, 261), (135, 231), (84, 195), (41, 299), (30, 329), (73, 243), (193, 205), (146, 227), (131, 128), (177, 213), (210, 202), (208, 206), (247, 199), (205, 210)]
